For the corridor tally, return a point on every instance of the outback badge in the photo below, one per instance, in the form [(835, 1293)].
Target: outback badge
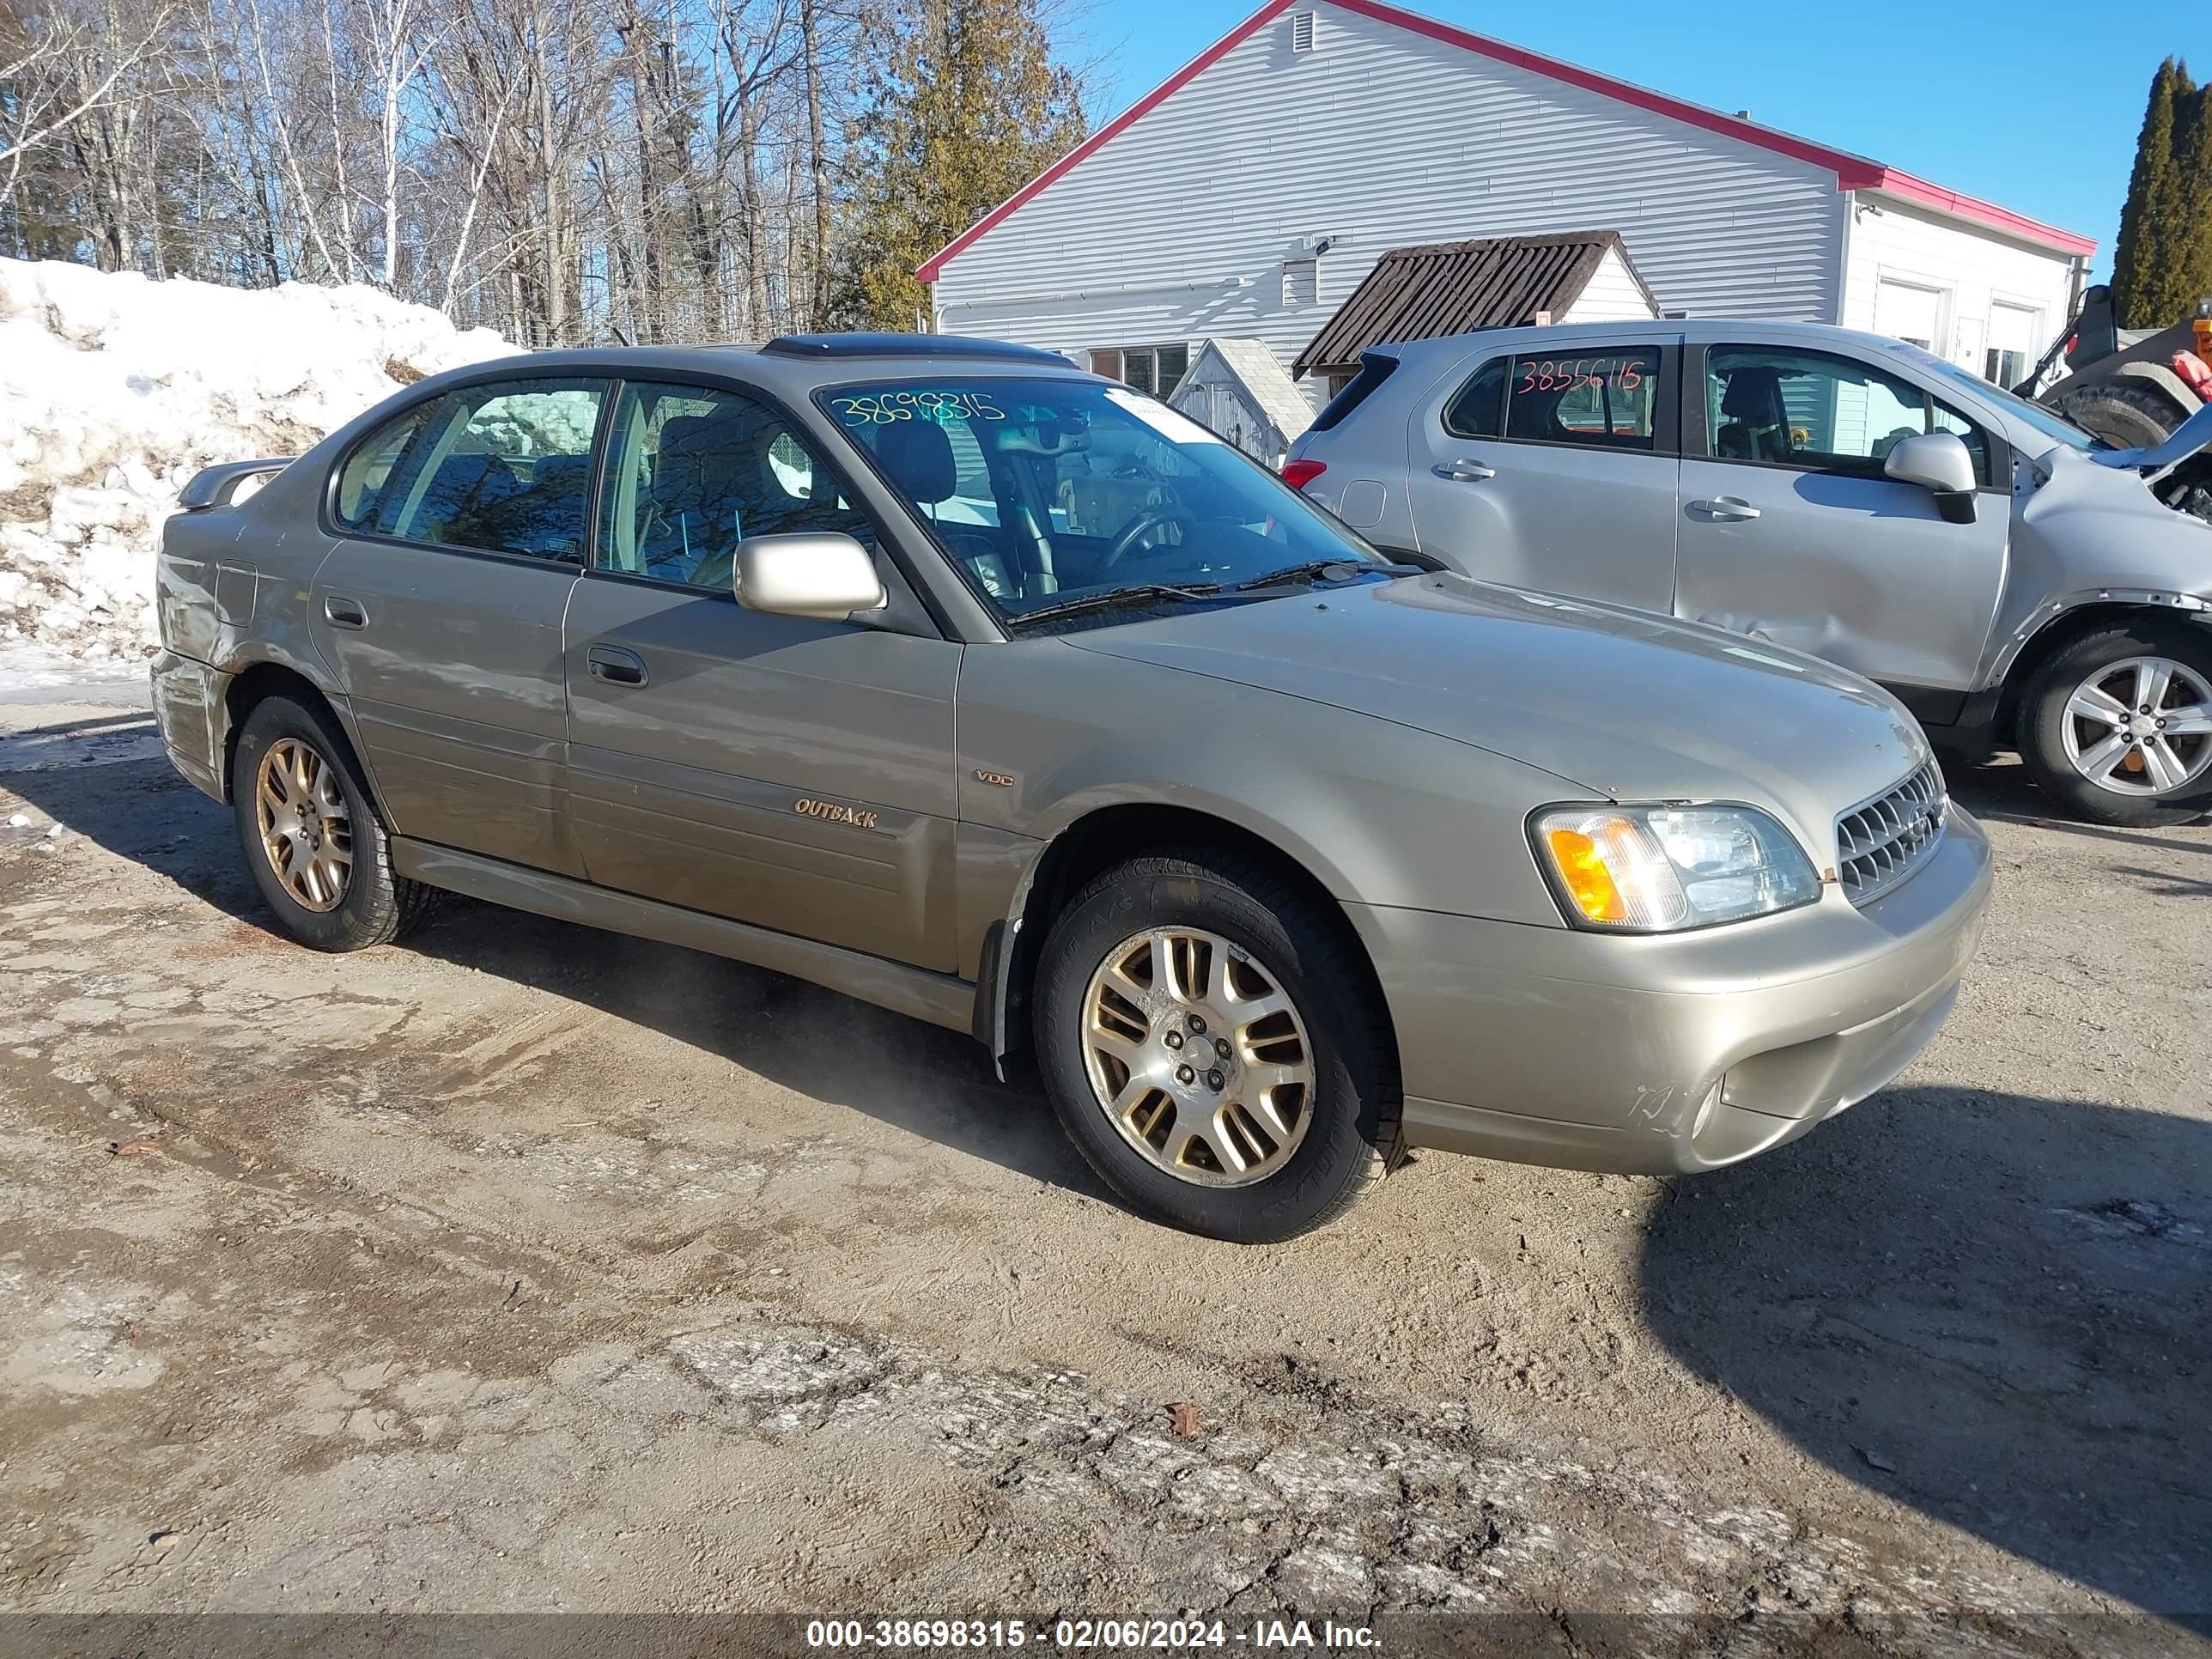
[(807, 806)]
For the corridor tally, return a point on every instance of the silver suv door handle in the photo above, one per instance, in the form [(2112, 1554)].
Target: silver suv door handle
[(1464, 472), (1725, 507)]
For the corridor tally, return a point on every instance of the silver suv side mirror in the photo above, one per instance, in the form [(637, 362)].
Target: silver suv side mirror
[(1940, 462), (819, 573)]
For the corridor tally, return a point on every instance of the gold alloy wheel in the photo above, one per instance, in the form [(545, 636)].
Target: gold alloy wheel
[(1197, 1057), (305, 829), (2140, 726)]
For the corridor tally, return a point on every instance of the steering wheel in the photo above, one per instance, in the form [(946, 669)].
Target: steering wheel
[(1143, 525)]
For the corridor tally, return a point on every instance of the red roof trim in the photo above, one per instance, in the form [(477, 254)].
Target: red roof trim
[(1852, 172), (1892, 182), (1127, 119)]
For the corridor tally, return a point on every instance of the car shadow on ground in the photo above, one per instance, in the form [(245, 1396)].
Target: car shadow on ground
[(2004, 790), (1992, 1307), (919, 1078)]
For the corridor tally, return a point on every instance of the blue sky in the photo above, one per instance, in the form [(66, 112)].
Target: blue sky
[(2032, 105)]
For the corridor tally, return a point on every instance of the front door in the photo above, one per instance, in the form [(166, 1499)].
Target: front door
[(1554, 471), (439, 610), (1791, 532), (791, 773)]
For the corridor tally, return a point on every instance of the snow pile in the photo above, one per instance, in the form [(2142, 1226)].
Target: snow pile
[(115, 390)]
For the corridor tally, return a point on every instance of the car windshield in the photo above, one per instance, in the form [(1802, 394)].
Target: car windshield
[(2048, 422), (1072, 497)]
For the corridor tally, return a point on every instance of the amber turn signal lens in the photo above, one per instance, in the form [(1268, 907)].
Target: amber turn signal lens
[(1590, 884)]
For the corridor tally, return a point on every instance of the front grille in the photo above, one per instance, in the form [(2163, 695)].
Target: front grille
[(1880, 844)]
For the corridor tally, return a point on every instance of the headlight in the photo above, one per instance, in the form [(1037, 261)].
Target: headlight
[(1658, 869)]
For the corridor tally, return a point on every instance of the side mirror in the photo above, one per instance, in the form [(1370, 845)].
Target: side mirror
[(1938, 462), (818, 574)]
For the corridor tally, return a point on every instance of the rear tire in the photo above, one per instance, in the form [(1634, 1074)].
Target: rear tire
[(1239, 938), (2095, 665), (310, 834)]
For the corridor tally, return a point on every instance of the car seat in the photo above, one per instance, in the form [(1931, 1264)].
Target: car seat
[(456, 507), (544, 517), (1755, 424), (698, 502)]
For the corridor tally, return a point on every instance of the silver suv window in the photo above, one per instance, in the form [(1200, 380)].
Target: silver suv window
[(1607, 398), (1820, 411)]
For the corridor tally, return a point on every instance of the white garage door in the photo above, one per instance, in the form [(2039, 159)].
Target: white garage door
[(1906, 311)]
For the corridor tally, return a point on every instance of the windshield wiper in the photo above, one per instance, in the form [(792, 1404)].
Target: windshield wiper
[(1114, 597), (1334, 570)]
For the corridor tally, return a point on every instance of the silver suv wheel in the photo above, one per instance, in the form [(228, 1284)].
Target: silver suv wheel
[(2140, 726), (1197, 1056)]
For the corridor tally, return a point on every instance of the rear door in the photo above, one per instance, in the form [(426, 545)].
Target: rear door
[(1791, 532), (791, 773), (462, 526), (1554, 469)]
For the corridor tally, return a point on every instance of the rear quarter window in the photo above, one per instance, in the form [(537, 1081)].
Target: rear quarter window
[(369, 465)]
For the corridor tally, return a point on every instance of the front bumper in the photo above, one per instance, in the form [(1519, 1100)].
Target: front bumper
[(1666, 1054)]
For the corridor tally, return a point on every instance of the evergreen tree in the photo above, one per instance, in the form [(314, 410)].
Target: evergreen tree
[(965, 105), (2169, 194), (2193, 251)]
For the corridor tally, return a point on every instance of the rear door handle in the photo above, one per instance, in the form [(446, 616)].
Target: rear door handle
[(1464, 471), (344, 612), (615, 665), (1731, 507)]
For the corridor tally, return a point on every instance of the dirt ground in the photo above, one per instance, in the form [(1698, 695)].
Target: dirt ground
[(523, 1268)]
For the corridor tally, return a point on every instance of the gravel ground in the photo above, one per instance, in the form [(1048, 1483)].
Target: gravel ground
[(526, 1268)]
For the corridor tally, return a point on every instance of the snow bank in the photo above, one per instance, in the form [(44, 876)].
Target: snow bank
[(115, 390)]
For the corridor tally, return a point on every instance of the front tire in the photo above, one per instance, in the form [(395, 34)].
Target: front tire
[(310, 834), (2118, 724), (1213, 1044)]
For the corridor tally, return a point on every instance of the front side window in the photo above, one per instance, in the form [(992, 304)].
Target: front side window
[(505, 468), (693, 471), (1606, 399), (2046, 422), (1820, 411), (1042, 491)]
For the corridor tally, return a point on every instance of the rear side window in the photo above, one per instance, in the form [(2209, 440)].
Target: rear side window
[(1605, 399), (1374, 368), (1477, 409), (504, 468)]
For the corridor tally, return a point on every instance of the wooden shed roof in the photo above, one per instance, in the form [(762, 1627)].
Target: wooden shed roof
[(1453, 287)]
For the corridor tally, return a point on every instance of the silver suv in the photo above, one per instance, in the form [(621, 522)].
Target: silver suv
[(1849, 495), (954, 678)]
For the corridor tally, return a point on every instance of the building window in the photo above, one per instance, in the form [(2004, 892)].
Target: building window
[(1153, 370), (2013, 331)]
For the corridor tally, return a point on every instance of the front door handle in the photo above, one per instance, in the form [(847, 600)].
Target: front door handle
[(344, 612), (1734, 508), (615, 665), (1464, 471)]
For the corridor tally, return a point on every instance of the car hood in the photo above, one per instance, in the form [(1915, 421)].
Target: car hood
[(1616, 702)]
